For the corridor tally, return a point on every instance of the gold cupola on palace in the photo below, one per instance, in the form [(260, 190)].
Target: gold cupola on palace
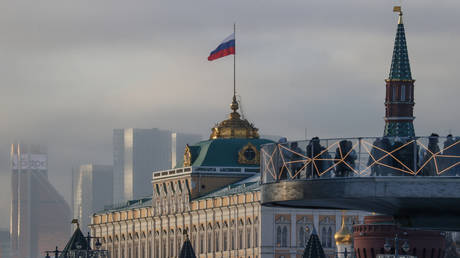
[(234, 126), (343, 237)]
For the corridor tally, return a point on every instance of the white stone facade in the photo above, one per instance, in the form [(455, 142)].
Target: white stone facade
[(225, 226)]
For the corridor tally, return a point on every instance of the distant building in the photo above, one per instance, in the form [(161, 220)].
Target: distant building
[(92, 190), (138, 152), (39, 214)]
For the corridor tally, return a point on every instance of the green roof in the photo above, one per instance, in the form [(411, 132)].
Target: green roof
[(131, 204), (400, 67), (221, 152)]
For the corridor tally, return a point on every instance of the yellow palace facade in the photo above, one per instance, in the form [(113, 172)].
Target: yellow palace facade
[(214, 198)]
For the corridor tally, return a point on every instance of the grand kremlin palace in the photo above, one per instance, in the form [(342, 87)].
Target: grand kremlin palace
[(213, 198)]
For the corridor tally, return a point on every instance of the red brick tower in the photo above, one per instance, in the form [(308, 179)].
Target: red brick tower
[(399, 101)]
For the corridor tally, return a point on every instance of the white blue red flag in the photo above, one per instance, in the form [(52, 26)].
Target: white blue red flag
[(227, 47)]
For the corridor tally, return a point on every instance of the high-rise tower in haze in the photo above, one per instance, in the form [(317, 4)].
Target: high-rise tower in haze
[(139, 152), (399, 101), (92, 190), (39, 214)]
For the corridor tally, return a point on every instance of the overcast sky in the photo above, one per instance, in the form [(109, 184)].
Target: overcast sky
[(71, 71)]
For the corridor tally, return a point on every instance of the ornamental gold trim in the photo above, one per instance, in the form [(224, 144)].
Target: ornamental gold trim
[(243, 160), (187, 156)]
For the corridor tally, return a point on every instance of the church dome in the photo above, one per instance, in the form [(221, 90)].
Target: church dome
[(343, 236), (234, 126)]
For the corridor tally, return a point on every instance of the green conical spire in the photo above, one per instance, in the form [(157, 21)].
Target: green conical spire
[(400, 67)]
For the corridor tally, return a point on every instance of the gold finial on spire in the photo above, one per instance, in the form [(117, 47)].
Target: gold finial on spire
[(397, 9)]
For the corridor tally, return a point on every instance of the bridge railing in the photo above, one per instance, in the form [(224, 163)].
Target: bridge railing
[(360, 157)]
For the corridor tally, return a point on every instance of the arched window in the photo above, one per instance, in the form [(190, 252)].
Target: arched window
[(278, 236), (179, 240), (300, 240), (409, 94), (209, 238), (329, 237), (233, 239), (403, 92), (323, 237), (240, 234), (163, 244), (217, 237), (284, 237), (248, 237), (232, 234), (171, 243), (225, 236), (327, 226), (202, 250), (157, 244)]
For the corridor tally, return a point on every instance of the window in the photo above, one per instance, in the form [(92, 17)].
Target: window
[(256, 236), (216, 246), (278, 236), (157, 244), (323, 237), (225, 236), (240, 238), (233, 240), (201, 242), (282, 231), (403, 92), (301, 239), (232, 232), (393, 97), (171, 245), (209, 245), (327, 229), (248, 237), (284, 237)]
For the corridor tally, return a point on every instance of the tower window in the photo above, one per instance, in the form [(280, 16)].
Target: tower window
[(403, 92), (393, 97)]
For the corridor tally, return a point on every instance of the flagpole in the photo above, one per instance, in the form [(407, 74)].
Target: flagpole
[(234, 63)]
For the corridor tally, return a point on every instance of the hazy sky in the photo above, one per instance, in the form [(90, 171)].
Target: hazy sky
[(71, 71)]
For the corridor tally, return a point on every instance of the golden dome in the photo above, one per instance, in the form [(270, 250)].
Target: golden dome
[(343, 236), (234, 126)]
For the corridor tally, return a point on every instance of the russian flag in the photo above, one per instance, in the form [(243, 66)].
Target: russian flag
[(227, 47)]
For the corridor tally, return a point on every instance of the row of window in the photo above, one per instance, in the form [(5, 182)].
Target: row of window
[(241, 237), (282, 236), (402, 93)]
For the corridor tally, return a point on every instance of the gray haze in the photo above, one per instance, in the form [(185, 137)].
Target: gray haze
[(71, 71)]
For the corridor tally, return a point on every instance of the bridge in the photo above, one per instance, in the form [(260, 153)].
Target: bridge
[(414, 179)]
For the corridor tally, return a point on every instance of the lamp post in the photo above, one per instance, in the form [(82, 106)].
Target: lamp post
[(405, 246)]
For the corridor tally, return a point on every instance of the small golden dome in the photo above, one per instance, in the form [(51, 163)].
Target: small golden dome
[(234, 126), (343, 236)]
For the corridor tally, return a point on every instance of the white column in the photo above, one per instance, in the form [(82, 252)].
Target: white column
[(293, 234)]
